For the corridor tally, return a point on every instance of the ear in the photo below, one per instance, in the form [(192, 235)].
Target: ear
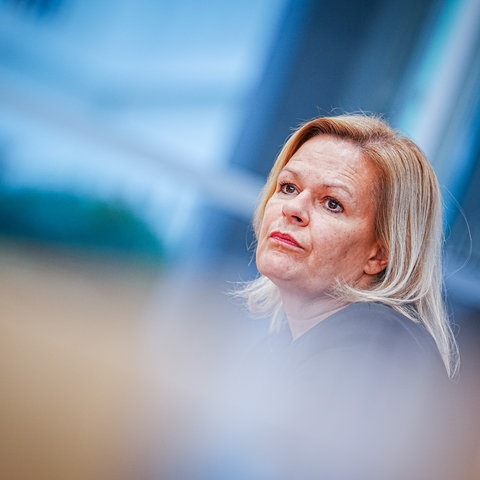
[(377, 262)]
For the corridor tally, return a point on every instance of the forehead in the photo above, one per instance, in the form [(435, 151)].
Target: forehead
[(320, 147), (329, 156)]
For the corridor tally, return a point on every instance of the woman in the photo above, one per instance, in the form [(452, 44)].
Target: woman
[(349, 238)]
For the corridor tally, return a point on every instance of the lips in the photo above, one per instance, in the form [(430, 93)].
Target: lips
[(285, 238)]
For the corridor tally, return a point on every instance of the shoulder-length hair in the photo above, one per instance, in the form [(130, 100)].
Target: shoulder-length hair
[(408, 225)]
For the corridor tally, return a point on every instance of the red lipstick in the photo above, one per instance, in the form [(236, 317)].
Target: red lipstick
[(285, 238)]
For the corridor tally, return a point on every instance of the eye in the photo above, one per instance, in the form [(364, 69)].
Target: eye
[(288, 188), (333, 205)]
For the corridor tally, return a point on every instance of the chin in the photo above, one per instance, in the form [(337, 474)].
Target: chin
[(277, 275), (277, 266), (266, 266)]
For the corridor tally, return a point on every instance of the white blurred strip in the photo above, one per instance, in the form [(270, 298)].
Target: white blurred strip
[(232, 190), (447, 80)]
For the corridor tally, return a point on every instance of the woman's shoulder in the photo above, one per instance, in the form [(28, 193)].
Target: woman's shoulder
[(370, 332), (378, 321), (367, 379)]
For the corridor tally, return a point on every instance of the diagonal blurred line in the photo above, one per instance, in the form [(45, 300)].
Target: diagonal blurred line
[(231, 189)]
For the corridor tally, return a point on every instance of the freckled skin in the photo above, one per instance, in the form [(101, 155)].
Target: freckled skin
[(324, 200)]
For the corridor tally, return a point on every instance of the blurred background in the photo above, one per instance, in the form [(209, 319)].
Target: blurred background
[(135, 137)]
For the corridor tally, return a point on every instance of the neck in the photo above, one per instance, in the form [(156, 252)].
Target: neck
[(304, 313)]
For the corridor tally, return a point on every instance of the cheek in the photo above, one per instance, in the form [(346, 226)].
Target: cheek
[(328, 239), (262, 262), (261, 242), (355, 249), (265, 261), (270, 215), (336, 248)]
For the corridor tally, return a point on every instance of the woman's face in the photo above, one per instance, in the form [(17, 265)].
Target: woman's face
[(319, 224)]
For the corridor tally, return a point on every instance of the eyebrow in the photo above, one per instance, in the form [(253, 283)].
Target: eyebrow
[(338, 185)]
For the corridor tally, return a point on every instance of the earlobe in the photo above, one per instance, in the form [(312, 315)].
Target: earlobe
[(377, 262)]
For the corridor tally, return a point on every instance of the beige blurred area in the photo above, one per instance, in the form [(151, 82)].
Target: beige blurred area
[(105, 364), (69, 364)]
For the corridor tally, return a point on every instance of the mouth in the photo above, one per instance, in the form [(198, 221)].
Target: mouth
[(285, 238)]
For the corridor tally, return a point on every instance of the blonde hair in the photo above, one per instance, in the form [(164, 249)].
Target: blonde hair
[(408, 225)]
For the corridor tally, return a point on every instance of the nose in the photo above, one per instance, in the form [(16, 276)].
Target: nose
[(295, 210)]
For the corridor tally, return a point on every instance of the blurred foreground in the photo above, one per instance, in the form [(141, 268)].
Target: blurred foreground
[(69, 364), (114, 370), (73, 368)]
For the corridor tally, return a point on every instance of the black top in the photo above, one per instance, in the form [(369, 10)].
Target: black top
[(361, 395)]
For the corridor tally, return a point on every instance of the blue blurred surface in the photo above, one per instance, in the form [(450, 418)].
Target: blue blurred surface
[(132, 101)]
